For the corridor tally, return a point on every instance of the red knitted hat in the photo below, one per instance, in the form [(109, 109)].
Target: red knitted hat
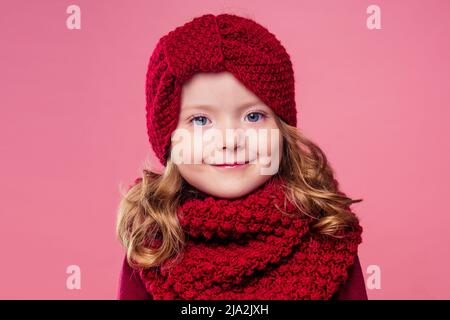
[(210, 43)]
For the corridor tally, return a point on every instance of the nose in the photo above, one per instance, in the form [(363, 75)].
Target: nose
[(231, 138)]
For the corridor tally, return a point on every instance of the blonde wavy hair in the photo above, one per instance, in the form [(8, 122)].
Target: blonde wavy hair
[(147, 211)]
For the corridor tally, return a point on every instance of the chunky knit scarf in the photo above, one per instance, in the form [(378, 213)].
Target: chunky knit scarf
[(255, 247)]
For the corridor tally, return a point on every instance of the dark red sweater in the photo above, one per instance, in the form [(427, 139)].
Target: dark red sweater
[(132, 288)]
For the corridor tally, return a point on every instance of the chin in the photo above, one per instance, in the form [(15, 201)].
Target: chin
[(226, 184), (228, 194)]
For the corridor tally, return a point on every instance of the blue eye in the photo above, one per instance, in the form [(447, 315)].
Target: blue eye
[(255, 116), (199, 120)]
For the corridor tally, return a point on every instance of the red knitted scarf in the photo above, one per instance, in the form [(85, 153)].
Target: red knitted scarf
[(246, 248)]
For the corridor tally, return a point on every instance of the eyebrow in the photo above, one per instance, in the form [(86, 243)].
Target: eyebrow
[(210, 107)]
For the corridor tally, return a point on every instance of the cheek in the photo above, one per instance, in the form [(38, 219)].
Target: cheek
[(192, 173), (270, 142), (186, 147), (280, 143)]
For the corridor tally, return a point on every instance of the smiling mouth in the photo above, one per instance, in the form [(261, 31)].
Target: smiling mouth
[(230, 165)]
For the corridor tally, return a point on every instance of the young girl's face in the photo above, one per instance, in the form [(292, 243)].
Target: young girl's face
[(222, 122)]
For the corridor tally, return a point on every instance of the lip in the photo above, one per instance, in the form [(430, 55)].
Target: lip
[(230, 165)]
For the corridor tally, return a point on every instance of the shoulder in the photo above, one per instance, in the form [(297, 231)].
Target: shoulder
[(355, 287), (131, 286)]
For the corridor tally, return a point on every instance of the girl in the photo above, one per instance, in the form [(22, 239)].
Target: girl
[(248, 216)]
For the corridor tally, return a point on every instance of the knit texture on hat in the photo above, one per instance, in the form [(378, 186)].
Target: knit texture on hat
[(210, 43), (246, 248)]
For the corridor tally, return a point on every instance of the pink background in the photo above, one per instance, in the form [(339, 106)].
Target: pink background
[(73, 129)]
